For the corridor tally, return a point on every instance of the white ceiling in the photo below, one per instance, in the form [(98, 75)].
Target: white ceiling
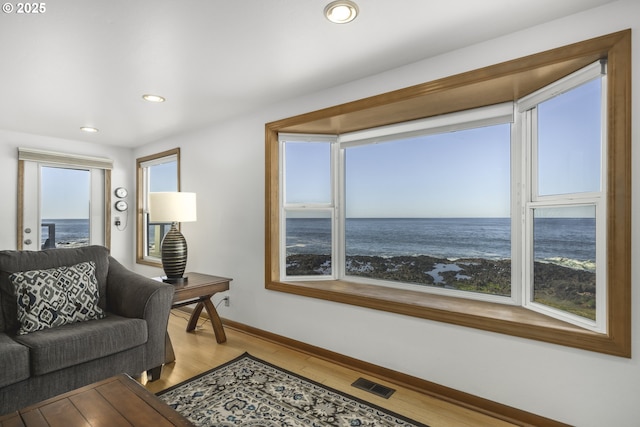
[(88, 62)]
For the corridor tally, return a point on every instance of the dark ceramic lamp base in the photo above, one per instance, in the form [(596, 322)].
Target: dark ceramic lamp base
[(174, 256)]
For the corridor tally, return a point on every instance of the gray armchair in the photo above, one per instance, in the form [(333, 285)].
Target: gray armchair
[(129, 338)]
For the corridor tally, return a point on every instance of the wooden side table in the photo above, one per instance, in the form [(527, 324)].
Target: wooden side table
[(198, 289)]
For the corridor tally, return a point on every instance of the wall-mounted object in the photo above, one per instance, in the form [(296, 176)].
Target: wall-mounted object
[(121, 206), (121, 192)]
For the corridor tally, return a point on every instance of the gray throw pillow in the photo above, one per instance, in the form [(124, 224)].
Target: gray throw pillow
[(56, 296)]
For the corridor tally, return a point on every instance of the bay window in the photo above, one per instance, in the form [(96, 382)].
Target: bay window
[(497, 199), (427, 205)]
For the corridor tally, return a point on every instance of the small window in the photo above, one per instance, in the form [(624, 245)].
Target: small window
[(158, 172), (308, 210), (564, 254), (308, 243), (565, 130)]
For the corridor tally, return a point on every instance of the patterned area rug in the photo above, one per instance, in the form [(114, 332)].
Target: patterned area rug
[(250, 392)]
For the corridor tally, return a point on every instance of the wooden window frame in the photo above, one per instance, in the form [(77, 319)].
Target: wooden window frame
[(140, 225), (498, 83)]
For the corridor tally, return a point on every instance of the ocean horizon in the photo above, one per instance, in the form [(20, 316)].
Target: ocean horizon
[(567, 241), (68, 231)]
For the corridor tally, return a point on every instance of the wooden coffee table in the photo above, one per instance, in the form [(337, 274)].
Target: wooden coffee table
[(117, 401)]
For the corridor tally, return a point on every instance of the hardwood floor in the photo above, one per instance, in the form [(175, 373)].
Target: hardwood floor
[(198, 351)]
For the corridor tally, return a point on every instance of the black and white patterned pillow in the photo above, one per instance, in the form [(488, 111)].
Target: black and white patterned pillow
[(56, 296)]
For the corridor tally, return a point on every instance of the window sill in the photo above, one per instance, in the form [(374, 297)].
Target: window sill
[(500, 318)]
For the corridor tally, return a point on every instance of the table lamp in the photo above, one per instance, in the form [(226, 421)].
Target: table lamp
[(173, 207)]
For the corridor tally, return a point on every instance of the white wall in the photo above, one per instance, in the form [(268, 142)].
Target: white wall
[(224, 165), (121, 176)]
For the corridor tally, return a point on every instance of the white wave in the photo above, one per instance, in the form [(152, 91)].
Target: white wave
[(588, 265)]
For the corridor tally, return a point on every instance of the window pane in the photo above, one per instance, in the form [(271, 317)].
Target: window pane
[(156, 232), (65, 201), (432, 210), (162, 177), (569, 141), (564, 245), (308, 240), (308, 172)]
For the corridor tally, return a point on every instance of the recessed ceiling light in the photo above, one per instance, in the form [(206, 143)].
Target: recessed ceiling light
[(89, 129), (341, 11), (153, 98)]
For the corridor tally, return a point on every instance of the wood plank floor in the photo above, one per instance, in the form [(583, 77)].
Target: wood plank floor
[(198, 351)]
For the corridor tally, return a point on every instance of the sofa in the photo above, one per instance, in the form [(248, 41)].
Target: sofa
[(73, 316)]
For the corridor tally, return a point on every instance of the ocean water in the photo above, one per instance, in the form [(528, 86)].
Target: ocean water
[(68, 232), (561, 240)]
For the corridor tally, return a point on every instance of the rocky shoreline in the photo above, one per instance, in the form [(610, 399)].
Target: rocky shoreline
[(558, 286)]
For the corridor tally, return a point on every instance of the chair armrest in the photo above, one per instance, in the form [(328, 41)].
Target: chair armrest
[(130, 294)]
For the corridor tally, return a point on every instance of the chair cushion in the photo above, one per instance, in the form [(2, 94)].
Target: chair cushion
[(72, 344), (56, 296), (15, 361)]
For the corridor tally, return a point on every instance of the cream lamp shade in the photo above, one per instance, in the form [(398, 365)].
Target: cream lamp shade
[(172, 207)]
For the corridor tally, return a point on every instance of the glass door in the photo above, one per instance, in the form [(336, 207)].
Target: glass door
[(65, 202), (57, 207)]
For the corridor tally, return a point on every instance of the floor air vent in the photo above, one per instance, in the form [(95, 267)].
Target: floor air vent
[(375, 388)]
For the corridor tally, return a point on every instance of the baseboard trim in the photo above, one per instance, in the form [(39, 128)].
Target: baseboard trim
[(466, 400)]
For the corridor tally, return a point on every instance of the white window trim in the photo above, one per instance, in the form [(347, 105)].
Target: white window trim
[(563, 85), (468, 119)]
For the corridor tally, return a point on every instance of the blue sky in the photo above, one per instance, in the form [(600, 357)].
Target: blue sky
[(569, 147), (460, 174), (163, 177), (65, 193), (457, 174)]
